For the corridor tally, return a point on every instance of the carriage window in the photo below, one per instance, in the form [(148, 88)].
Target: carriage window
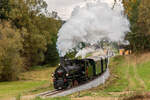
[(87, 64)]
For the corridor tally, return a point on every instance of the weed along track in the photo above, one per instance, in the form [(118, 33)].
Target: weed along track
[(90, 84)]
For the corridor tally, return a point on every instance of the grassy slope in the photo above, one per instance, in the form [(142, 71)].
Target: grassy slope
[(144, 73), (31, 82), (129, 73)]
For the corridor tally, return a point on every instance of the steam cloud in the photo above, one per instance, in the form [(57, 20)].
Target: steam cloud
[(92, 23)]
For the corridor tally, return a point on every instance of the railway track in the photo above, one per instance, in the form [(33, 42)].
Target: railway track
[(49, 93), (54, 92), (90, 84)]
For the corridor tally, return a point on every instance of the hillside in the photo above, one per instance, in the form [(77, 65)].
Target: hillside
[(129, 76)]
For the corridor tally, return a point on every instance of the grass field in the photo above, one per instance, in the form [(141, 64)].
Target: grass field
[(32, 82), (128, 74)]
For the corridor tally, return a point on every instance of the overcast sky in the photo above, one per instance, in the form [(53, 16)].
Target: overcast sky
[(65, 7)]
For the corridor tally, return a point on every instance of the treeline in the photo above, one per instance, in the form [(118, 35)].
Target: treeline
[(138, 12), (27, 37)]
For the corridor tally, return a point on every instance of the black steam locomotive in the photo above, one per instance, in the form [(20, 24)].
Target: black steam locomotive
[(73, 72)]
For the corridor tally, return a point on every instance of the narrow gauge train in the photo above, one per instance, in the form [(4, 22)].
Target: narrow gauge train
[(73, 72)]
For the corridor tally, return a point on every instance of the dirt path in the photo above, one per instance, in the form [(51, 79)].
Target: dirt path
[(141, 82), (95, 98), (132, 75), (128, 76), (28, 97)]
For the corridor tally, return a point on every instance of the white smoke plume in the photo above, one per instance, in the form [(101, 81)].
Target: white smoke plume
[(92, 23), (85, 51)]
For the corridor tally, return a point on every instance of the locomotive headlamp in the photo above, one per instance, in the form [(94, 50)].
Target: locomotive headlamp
[(67, 74), (58, 64), (52, 75)]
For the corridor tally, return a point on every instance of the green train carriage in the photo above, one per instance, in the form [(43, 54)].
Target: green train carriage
[(96, 66)]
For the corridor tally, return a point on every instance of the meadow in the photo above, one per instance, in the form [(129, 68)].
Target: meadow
[(128, 74), (32, 82)]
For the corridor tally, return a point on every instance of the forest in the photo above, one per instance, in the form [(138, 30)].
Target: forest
[(27, 37), (28, 34), (138, 14)]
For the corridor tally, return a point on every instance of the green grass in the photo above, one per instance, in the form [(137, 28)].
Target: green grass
[(129, 76), (32, 82), (116, 83), (144, 73), (125, 76), (13, 88), (118, 69), (136, 83)]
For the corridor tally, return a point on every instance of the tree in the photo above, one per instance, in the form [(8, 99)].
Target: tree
[(10, 47), (132, 11), (144, 24), (37, 31), (138, 14), (36, 28), (51, 55), (4, 9), (27, 36)]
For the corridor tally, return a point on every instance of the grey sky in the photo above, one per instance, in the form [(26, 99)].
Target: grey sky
[(65, 7)]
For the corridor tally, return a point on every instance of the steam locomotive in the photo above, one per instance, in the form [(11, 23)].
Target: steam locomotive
[(77, 71)]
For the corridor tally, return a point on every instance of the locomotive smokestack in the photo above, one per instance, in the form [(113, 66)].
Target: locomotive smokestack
[(62, 61)]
